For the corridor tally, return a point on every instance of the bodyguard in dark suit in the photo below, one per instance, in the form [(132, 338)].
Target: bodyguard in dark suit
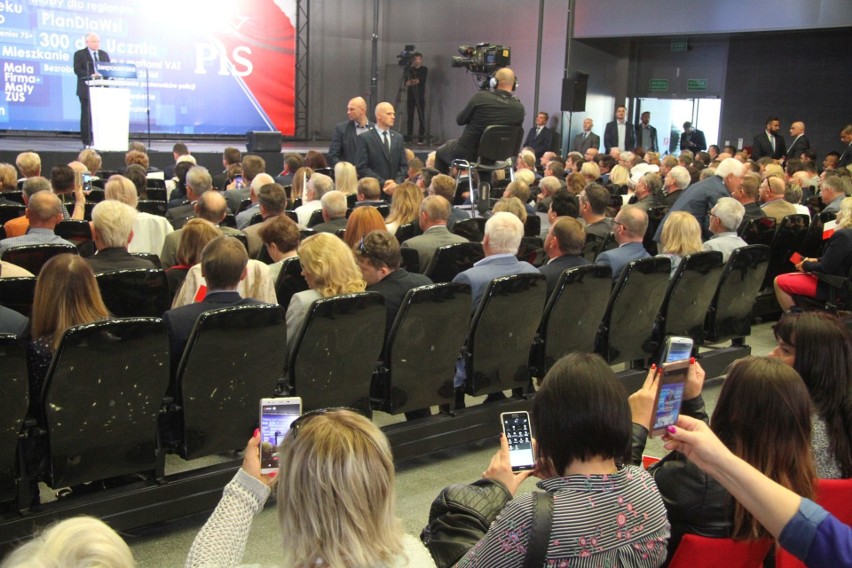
[(344, 141), (540, 137), (800, 142), (223, 265), (586, 139), (630, 226), (769, 143), (646, 135), (85, 67), (564, 248), (381, 151), (611, 137)]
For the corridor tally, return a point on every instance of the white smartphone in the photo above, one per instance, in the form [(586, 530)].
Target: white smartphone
[(516, 427), (677, 349), (276, 416)]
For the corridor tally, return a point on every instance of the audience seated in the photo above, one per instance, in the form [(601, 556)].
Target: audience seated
[(434, 214), (817, 345), (330, 269), (832, 190), (725, 218), (748, 195), (149, 231), (522, 191), (335, 499), (369, 193), (379, 258), (44, 212), (281, 238), (757, 390), (244, 217), (333, 212), (19, 225), (630, 226), (511, 205), (300, 183), (318, 185), (112, 223), (272, 200), (253, 165), (63, 181), (194, 236), (8, 182), (564, 248), (581, 423), (445, 186), (676, 180), (210, 207), (594, 200), (66, 294), (223, 265), (346, 178), (29, 164), (198, 181), (405, 206), (257, 284), (772, 192), (681, 236), (836, 259)]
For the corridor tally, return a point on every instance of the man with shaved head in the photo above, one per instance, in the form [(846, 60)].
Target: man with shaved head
[(344, 141), (800, 142), (485, 108), (381, 152)]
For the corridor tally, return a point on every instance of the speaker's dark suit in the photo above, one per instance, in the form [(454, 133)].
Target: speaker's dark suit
[(344, 143), (84, 68), (581, 144), (540, 142), (761, 147), (611, 136), (798, 146), (374, 160)]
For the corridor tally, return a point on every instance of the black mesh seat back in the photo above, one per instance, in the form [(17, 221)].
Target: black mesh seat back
[(759, 231), (17, 196), (152, 207), (470, 229), (449, 260), (729, 315), (789, 236), (9, 212), (333, 359), (627, 327), (33, 257), (77, 231), (17, 294), (407, 231), (155, 193), (595, 245), (423, 345), (234, 357), (500, 142), (814, 244), (13, 409), (532, 226), (532, 250), (410, 259), (689, 295), (290, 281), (655, 217), (574, 312), (316, 218), (135, 293), (502, 332), (101, 399)]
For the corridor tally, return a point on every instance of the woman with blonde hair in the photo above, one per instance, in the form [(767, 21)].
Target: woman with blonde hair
[(66, 294), (363, 220), (590, 171), (300, 182), (619, 176), (149, 231), (681, 236), (335, 500), (330, 269), (511, 205), (345, 178), (405, 206)]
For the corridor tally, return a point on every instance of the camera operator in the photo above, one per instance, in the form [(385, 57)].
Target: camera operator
[(416, 84), (484, 109)]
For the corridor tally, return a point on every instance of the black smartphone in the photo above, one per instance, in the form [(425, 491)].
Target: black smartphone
[(677, 349), (672, 381), (516, 427), (276, 415)]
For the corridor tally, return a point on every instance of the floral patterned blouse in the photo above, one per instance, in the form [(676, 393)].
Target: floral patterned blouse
[(598, 520)]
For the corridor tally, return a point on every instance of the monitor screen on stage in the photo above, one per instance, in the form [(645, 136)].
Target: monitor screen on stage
[(203, 67)]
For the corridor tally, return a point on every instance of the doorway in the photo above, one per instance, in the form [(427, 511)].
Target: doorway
[(668, 116)]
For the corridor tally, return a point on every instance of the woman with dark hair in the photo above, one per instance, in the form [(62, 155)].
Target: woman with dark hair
[(315, 160), (762, 415), (605, 513), (819, 347)]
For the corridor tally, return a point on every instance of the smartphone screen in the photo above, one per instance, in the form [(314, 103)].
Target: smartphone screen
[(87, 183), (677, 349), (276, 415), (516, 427), (669, 396)]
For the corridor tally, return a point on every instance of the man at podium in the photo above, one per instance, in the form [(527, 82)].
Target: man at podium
[(86, 63)]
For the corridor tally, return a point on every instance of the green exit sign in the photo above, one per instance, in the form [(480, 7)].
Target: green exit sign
[(659, 85), (696, 84), (680, 45)]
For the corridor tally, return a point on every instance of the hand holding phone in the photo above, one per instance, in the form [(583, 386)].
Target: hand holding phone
[(276, 416), (518, 432), (676, 349), (671, 385)]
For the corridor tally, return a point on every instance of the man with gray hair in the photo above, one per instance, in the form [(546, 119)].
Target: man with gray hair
[(725, 218), (44, 212), (832, 190), (676, 180), (333, 213), (548, 187), (318, 185), (211, 206), (244, 217), (647, 188), (113, 221), (198, 181), (434, 214), (702, 196), (630, 225)]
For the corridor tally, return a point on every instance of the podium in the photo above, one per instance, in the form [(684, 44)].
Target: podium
[(109, 98)]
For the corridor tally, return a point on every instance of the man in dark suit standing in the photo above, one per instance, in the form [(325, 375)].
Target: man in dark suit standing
[(619, 133), (344, 141), (540, 137), (769, 143), (692, 139), (586, 139), (846, 137), (800, 142), (86, 67), (381, 151), (646, 135)]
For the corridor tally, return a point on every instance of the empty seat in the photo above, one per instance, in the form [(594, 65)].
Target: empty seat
[(422, 348), (290, 281), (334, 356), (101, 399), (572, 316), (502, 333), (137, 292), (234, 357), (33, 257), (13, 408), (18, 293), (729, 316), (626, 330), (449, 260)]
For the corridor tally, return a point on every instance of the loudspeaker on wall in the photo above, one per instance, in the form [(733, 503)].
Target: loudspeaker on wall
[(574, 93), (258, 141)]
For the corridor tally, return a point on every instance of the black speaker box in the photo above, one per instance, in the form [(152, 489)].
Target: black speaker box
[(574, 93), (257, 141)]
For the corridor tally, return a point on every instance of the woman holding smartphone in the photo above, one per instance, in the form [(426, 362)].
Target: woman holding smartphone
[(762, 415)]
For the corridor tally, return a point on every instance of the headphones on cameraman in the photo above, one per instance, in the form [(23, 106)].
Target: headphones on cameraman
[(492, 83)]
